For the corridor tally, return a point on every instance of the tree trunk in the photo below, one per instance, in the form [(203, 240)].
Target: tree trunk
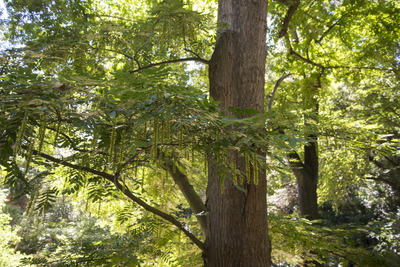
[(237, 224), (307, 179)]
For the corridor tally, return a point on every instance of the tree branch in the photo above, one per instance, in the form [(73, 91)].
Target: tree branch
[(196, 204), (358, 67), (393, 185), (308, 61), (272, 94), (194, 53), (296, 55), (125, 190), (292, 8), (118, 52), (159, 213), (169, 62), (106, 16), (296, 164), (71, 142), (293, 53), (329, 29)]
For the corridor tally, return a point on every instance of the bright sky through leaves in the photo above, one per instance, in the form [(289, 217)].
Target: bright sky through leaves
[(3, 10)]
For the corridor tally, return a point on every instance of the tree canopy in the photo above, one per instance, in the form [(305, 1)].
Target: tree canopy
[(109, 132)]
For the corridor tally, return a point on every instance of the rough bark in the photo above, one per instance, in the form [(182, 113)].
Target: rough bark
[(307, 179), (237, 227)]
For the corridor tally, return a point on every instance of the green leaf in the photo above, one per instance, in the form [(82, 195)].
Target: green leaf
[(292, 141), (113, 114), (238, 187)]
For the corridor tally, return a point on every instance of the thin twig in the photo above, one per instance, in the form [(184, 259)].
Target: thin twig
[(296, 55), (272, 94)]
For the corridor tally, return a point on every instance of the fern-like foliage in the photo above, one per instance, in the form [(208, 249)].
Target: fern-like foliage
[(125, 214), (98, 189), (75, 182), (45, 199)]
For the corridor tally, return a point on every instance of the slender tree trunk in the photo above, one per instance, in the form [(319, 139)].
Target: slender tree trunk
[(307, 180), (237, 222)]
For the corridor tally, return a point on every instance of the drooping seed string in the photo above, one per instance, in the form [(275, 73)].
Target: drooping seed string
[(174, 160), (234, 172), (42, 133), (180, 137), (248, 173), (162, 131), (205, 164), (135, 166), (168, 130), (84, 160), (255, 168), (112, 143), (155, 138), (142, 184), (20, 135), (94, 141), (121, 147), (58, 128), (29, 155)]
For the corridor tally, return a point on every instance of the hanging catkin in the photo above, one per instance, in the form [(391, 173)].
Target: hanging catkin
[(187, 153), (29, 155), (142, 184), (255, 168), (121, 147), (58, 128), (20, 135), (159, 157), (180, 137), (174, 160), (94, 141), (155, 138), (168, 130), (135, 166), (217, 135), (162, 131), (205, 164), (84, 160), (112, 142), (42, 132), (234, 172), (248, 173)]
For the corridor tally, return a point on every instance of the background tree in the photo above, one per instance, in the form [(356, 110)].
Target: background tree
[(320, 55)]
